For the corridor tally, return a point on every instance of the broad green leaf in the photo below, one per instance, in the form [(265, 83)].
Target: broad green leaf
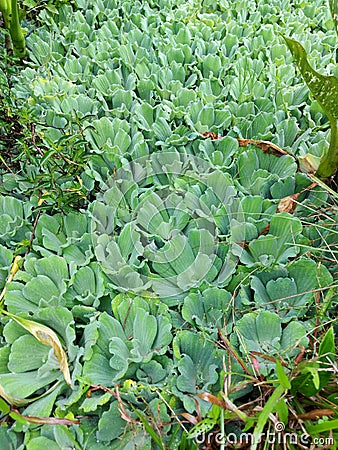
[(282, 377), (145, 330), (277, 246), (87, 286), (287, 131), (161, 129), (294, 335), (15, 387), (43, 407), (258, 171), (187, 380), (122, 140), (98, 369), (119, 360), (4, 407), (27, 353), (42, 442), (12, 400), (9, 439), (145, 116), (6, 258), (55, 268), (262, 332), (91, 404), (14, 224), (290, 294), (153, 372), (282, 410), (327, 348), (207, 310), (197, 362), (325, 90), (324, 426), (41, 291), (206, 117), (111, 425)]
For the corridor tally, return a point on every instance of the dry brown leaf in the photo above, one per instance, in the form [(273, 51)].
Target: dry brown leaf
[(211, 135), (266, 146), (232, 351), (211, 399), (190, 418), (288, 204), (265, 230), (256, 365), (47, 420), (316, 414), (267, 357)]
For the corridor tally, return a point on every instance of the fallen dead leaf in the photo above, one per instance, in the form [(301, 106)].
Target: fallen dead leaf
[(288, 204), (190, 418), (309, 163), (211, 399), (211, 135), (266, 146), (316, 414)]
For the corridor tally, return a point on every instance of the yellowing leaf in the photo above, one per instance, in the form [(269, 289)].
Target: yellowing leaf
[(12, 400), (48, 337), (309, 163), (15, 267)]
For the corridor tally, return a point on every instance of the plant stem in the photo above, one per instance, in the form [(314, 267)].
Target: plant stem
[(6, 10), (222, 447), (18, 39)]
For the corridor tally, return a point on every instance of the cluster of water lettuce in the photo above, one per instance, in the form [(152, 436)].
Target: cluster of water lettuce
[(135, 77), (175, 244)]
